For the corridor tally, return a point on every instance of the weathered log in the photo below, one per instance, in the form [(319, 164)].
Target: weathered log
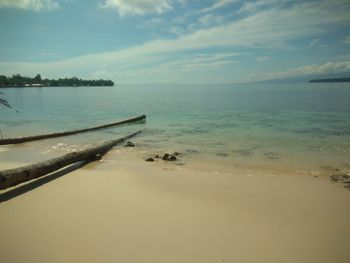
[(66, 133), (22, 174)]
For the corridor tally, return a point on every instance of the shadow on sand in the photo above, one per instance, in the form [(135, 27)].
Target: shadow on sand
[(41, 181)]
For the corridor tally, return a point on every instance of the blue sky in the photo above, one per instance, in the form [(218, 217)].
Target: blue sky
[(175, 41)]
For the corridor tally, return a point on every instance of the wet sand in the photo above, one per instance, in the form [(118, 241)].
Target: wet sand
[(123, 209)]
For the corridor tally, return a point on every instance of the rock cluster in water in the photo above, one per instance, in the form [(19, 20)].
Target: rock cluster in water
[(166, 157), (129, 144), (341, 178), (339, 175)]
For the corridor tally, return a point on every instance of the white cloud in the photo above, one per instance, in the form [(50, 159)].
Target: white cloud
[(267, 30), (138, 7), (203, 60), (154, 22), (36, 5), (263, 58), (324, 69), (210, 19), (218, 4), (254, 6), (314, 42)]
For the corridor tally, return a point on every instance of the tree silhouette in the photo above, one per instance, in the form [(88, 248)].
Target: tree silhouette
[(19, 81)]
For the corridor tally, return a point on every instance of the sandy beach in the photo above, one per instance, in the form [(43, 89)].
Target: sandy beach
[(242, 116), (122, 209)]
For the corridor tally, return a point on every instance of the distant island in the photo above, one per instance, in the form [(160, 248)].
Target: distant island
[(331, 80), (19, 81)]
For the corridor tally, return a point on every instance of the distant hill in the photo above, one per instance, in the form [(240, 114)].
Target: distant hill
[(19, 81), (309, 78), (331, 80)]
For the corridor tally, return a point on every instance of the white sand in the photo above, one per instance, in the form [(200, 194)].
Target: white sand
[(127, 210)]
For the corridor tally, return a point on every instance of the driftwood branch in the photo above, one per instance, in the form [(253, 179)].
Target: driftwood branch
[(16, 176), (66, 133)]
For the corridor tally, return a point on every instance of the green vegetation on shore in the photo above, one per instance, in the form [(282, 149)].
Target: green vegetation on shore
[(331, 80), (20, 81)]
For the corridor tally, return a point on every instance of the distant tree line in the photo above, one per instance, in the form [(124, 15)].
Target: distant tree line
[(20, 81), (331, 80)]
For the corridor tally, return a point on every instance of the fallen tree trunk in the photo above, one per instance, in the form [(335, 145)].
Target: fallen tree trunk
[(16, 176), (60, 134)]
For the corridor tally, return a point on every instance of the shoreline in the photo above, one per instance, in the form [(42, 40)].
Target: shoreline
[(14, 156), (123, 209)]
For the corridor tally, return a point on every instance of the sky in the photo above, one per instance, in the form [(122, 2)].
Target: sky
[(175, 41)]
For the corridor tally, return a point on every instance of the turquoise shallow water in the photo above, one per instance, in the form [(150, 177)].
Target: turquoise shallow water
[(296, 125)]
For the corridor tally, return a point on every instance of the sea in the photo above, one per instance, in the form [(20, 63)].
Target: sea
[(299, 126)]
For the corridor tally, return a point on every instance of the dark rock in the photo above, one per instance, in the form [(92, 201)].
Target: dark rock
[(345, 176), (272, 155), (97, 157), (222, 154), (176, 153), (342, 178), (334, 178), (169, 157), (330, 168), (150, 159), (244, 152), (172, 158), (130, 144), (157, 156)]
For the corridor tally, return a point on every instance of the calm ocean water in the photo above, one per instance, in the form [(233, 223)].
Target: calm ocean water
[(300, 125)]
